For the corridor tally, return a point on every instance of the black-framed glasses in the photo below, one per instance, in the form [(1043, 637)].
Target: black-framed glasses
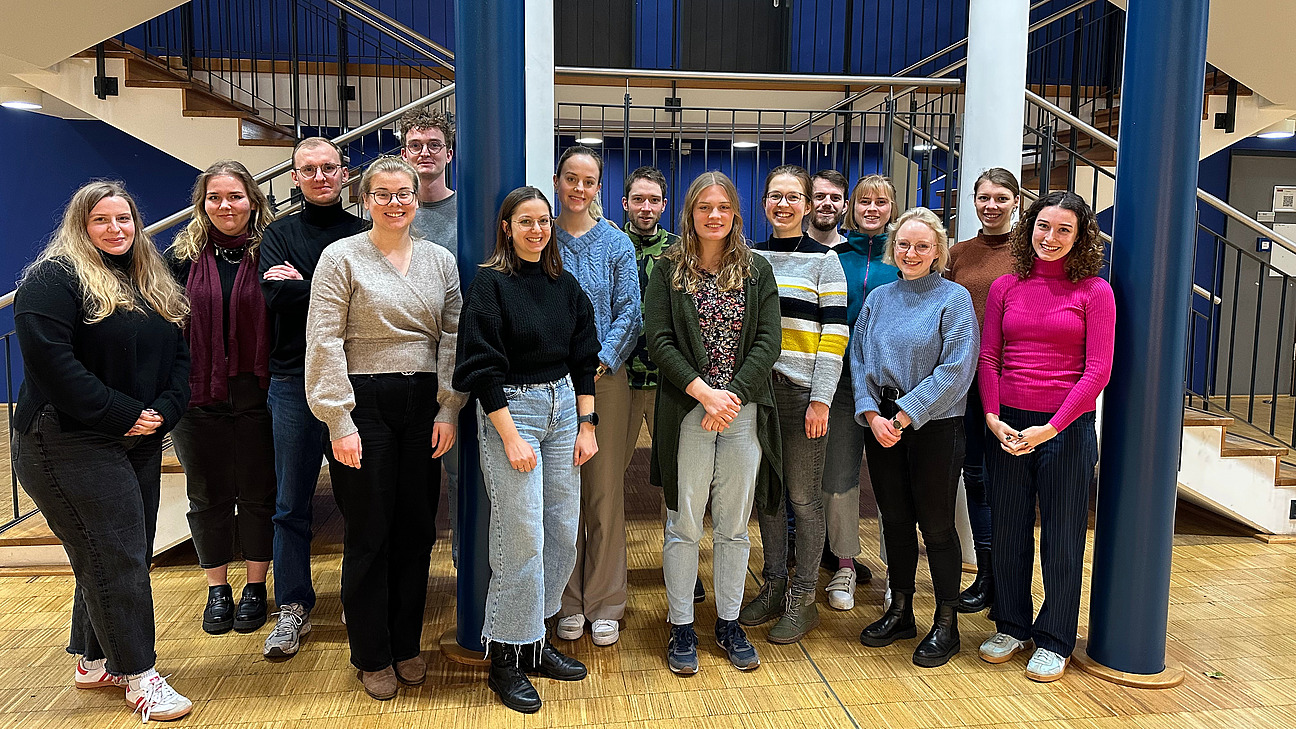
[(433, 147), (792, 198), (382, 197), (329, 169)]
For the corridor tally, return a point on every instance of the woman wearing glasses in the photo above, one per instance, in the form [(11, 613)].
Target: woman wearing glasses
[(380, 355), (914, 354), (528, 353), (812, 300)]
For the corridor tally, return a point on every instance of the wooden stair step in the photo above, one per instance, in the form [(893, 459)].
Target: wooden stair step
[(1193, 416), (1236, 446), (1286, 475), (258, 132)]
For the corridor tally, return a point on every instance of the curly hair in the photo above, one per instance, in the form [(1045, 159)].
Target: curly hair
[(442, 121), (1086, 256)]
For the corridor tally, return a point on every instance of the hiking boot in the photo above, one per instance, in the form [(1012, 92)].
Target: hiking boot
[(507, 679), (801, 617), (768, 604)]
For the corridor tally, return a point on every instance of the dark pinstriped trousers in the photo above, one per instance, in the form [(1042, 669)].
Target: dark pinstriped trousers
[(1057, 475)]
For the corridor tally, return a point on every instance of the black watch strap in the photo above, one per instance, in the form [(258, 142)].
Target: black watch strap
[(592, 419)]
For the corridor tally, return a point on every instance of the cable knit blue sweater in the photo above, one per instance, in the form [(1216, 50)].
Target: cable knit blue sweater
[(921, 337), (603, 261)]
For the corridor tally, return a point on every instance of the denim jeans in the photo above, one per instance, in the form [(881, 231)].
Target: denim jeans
[(389, 508), (974, 471), (532, 538), (720, 468), (227, 450), (843, 472), (803, 465), (99, 494), (299, 450)]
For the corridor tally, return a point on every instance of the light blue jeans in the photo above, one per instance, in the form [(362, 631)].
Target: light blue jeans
[(532, 539), (720, 468)]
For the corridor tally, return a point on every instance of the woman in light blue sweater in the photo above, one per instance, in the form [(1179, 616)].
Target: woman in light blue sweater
[(602, 259), (913, 355)]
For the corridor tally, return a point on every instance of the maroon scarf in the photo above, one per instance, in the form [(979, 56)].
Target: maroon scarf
[(248, 348)]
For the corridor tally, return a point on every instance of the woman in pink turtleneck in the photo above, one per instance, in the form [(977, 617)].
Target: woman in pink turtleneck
[(1046, 353)]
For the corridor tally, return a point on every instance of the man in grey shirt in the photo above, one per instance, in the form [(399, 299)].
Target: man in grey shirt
[(428, 144), (427, 139)]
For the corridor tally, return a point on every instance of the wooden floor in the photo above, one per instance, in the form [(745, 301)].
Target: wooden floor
[(1231, 627)]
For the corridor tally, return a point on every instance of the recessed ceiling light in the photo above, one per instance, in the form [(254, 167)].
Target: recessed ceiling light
[(589, 140), (746, 141), (1282, 130), (20, 97)]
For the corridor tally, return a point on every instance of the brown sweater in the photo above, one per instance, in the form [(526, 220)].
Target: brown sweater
[(976, 263)]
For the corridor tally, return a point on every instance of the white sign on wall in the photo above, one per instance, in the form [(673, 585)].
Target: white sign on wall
[(1283, 260), (1284, 199)]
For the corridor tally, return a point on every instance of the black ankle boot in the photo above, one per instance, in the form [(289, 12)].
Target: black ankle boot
[(507, 679), (218, 616), (551, 663), (942, 642), (980, 594), (251, 612), (896, 623)]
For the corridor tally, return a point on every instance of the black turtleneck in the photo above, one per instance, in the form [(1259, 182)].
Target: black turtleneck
[(524, 329), (298, 240), (99, 376)]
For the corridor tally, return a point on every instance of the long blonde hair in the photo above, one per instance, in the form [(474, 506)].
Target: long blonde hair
[(104, 289), (190, 242), (735, 260)]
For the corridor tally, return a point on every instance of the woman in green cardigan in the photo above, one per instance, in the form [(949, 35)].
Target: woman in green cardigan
[(711, 316)]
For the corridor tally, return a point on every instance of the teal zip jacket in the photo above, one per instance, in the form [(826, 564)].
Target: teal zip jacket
[(861, 259)]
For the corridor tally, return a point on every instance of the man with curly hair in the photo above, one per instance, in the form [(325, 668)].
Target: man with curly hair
[(427, 139)]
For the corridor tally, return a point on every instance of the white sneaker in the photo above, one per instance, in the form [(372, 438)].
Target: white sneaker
[(292, 624), (571, 627), (605, 632), (94, 674), (841, 590), (1001, 647), (154, 698), (1046, 666)]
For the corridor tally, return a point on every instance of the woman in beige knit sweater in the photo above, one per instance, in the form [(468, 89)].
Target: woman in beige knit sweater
[(380, 334)]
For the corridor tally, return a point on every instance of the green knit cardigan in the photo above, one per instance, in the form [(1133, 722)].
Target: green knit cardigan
[(675, 344)]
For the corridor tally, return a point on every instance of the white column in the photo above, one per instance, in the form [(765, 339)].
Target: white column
[(994, 97), (539, 94)]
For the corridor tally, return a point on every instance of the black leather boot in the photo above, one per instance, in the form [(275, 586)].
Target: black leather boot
[(507, 679), (251, 612), (218, 616), (980, 594), (551, 663), (896, 623), (942, 642)]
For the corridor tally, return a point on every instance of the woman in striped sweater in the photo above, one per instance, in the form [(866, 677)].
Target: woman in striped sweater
[(812, 301), (1046, 354)]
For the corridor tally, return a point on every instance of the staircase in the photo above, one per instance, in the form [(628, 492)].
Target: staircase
[(1238, 476)]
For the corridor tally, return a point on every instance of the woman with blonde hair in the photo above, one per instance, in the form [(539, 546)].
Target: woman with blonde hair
[(713, 329), (914, 354), (224, 442), (105, 377)]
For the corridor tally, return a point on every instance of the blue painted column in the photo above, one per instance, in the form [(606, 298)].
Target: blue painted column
[(1152, 257), (490, 123)]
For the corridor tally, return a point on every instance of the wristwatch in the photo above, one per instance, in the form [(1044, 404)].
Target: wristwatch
[(895, 423), (592, 419)]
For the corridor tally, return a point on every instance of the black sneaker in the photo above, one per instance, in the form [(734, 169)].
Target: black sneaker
[(681, 650), (730, 636)]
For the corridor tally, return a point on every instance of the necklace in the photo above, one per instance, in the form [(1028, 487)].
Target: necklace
[(230, 255)]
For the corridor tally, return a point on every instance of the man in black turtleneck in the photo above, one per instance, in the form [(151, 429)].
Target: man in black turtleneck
[(290, 251)]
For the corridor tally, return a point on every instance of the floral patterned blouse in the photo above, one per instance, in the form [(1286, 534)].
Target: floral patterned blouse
[(720, 317)]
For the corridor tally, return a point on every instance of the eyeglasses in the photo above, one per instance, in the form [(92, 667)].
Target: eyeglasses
[(792, 198), (922, 248), (404, 197), (329, 170), (433, 147), (528, 223)]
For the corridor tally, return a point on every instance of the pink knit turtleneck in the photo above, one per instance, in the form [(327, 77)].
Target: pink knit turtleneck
[(1047, 343)]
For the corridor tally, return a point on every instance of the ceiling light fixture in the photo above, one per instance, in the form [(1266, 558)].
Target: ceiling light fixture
[(589, 140), (20, 97), (1282, 130)]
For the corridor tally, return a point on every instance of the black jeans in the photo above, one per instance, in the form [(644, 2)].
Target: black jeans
[(974, 471), (99, 494), (916, 483), (227, 450), (1057, 476), (389, 508)]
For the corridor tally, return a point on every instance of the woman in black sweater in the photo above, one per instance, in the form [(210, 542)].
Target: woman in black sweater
[(528, 351), (224, 441), (105, 376)]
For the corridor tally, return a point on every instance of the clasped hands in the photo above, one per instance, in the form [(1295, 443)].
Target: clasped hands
[(1019, 442), (721, 406)]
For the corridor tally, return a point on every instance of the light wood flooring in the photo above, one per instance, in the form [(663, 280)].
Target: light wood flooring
[(1232, 622)]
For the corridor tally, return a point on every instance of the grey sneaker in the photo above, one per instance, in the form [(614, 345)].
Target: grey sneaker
[(293, 623), (1001, 647), (1046, 666)]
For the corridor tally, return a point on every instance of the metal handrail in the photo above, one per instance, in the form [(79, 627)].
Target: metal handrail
[(810, 79), (359, 11)]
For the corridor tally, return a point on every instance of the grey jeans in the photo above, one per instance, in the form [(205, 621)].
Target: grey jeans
[(803, 466), (719, 468), (532, 540), (843, 473)]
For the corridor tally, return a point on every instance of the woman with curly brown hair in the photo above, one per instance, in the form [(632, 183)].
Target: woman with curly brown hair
[(1046, 353)]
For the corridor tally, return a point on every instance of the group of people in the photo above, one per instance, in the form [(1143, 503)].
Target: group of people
[(773, 377)]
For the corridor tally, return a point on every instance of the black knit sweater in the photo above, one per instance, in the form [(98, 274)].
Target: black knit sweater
[(100, 376), (524, 329), (298, 240)]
